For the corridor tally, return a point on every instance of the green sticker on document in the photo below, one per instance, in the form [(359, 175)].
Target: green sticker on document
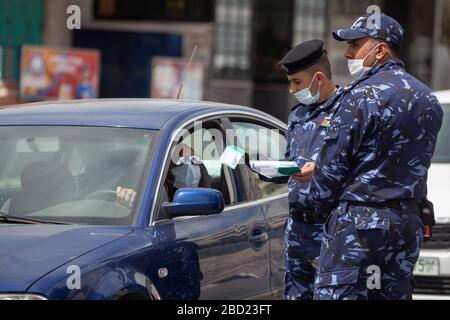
[(289, 170), (231, 156)]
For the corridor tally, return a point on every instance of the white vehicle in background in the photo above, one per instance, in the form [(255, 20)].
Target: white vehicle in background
[(432, 272)]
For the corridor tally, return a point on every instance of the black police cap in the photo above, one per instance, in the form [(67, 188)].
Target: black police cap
[(302, 56)]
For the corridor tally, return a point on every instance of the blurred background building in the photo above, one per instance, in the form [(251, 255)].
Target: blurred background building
[(239, 41)]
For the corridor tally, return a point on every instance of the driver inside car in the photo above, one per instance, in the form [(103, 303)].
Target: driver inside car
[(186, 170)]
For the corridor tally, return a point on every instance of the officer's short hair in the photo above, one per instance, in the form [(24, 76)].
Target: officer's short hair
[(323, 65), (396, 49), (393, 47)]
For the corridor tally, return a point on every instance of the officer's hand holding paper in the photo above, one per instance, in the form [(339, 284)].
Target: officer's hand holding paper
[(306, 173), (273, 169), (232, 155)]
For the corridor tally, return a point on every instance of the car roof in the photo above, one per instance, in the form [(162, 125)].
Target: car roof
[(131, 113), (443, 96)]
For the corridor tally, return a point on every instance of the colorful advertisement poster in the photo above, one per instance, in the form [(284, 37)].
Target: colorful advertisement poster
[(167, 75), (58, 74)]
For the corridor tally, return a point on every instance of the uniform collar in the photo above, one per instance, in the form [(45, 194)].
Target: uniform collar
[(388, 64), (330, 102)]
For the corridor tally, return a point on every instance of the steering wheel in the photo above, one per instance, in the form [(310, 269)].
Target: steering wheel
[(103, 194)]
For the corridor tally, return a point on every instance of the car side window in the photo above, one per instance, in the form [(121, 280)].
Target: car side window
[(261, 142), (204, 144)]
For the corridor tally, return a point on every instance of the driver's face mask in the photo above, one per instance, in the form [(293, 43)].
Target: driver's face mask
[(187, 173)]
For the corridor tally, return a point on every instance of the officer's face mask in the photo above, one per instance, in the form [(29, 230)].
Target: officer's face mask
[(187, 175), (356, 66), (305, 96)]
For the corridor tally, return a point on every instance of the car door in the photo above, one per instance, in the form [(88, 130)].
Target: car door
[(222, 256), (265, 140)]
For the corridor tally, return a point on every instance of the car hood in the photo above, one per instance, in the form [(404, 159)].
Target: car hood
[(439, 191), (29, 251)]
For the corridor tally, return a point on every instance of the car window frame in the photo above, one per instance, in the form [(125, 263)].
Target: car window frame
[(229, 177), (222, 115)]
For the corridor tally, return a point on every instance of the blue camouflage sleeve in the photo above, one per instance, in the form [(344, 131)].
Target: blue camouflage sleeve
[(352, 127)]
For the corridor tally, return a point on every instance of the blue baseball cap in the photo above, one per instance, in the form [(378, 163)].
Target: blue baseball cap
[(369, 25)]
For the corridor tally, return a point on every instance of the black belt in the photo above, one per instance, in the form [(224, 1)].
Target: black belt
[(299, 214)]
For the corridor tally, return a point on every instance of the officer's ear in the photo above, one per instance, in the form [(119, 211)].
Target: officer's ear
[(321, 77), (382, 51)]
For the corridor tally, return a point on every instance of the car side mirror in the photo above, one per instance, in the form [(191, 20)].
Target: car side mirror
[(194, 202)]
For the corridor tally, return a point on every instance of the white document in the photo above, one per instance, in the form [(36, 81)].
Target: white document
[(231, 156), (273, 169)]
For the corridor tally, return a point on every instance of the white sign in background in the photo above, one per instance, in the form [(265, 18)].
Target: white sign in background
[(167, 74)]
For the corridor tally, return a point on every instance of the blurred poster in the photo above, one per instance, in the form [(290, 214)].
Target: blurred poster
[(167, 74), (58, 73)]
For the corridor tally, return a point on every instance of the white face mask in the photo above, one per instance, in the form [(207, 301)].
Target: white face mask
[(186, 176), (356, 66), (305, 97)]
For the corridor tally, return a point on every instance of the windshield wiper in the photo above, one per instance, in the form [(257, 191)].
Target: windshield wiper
[(27, 220)]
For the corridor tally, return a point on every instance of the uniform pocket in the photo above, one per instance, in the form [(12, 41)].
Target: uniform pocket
[(376, 229), (337, 285), (367, 223), (367, 218), (337, 278)]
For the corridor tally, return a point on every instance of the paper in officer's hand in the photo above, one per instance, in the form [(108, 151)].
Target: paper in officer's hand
[(273, 169)]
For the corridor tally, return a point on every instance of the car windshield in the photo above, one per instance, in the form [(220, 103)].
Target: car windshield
[(442, 152), (71, 174)]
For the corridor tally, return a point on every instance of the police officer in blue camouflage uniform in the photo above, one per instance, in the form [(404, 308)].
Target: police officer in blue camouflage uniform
[(371, 173), (309, 73)]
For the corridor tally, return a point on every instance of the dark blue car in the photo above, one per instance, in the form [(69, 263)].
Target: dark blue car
[(65, 233)]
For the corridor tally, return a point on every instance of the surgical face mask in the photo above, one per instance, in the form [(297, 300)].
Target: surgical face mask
[(305, 97), (186, 176), (356, 66)]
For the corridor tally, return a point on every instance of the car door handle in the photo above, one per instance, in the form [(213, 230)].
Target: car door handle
[(259, 238)]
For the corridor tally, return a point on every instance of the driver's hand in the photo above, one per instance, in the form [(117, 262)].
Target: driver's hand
[(125, 197)]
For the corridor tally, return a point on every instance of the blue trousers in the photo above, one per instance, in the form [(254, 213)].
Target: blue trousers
[(302, 251), (369, 253)]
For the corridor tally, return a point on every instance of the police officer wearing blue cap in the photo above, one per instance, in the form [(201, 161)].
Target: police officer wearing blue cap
[(309, 74), (371, 173)]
